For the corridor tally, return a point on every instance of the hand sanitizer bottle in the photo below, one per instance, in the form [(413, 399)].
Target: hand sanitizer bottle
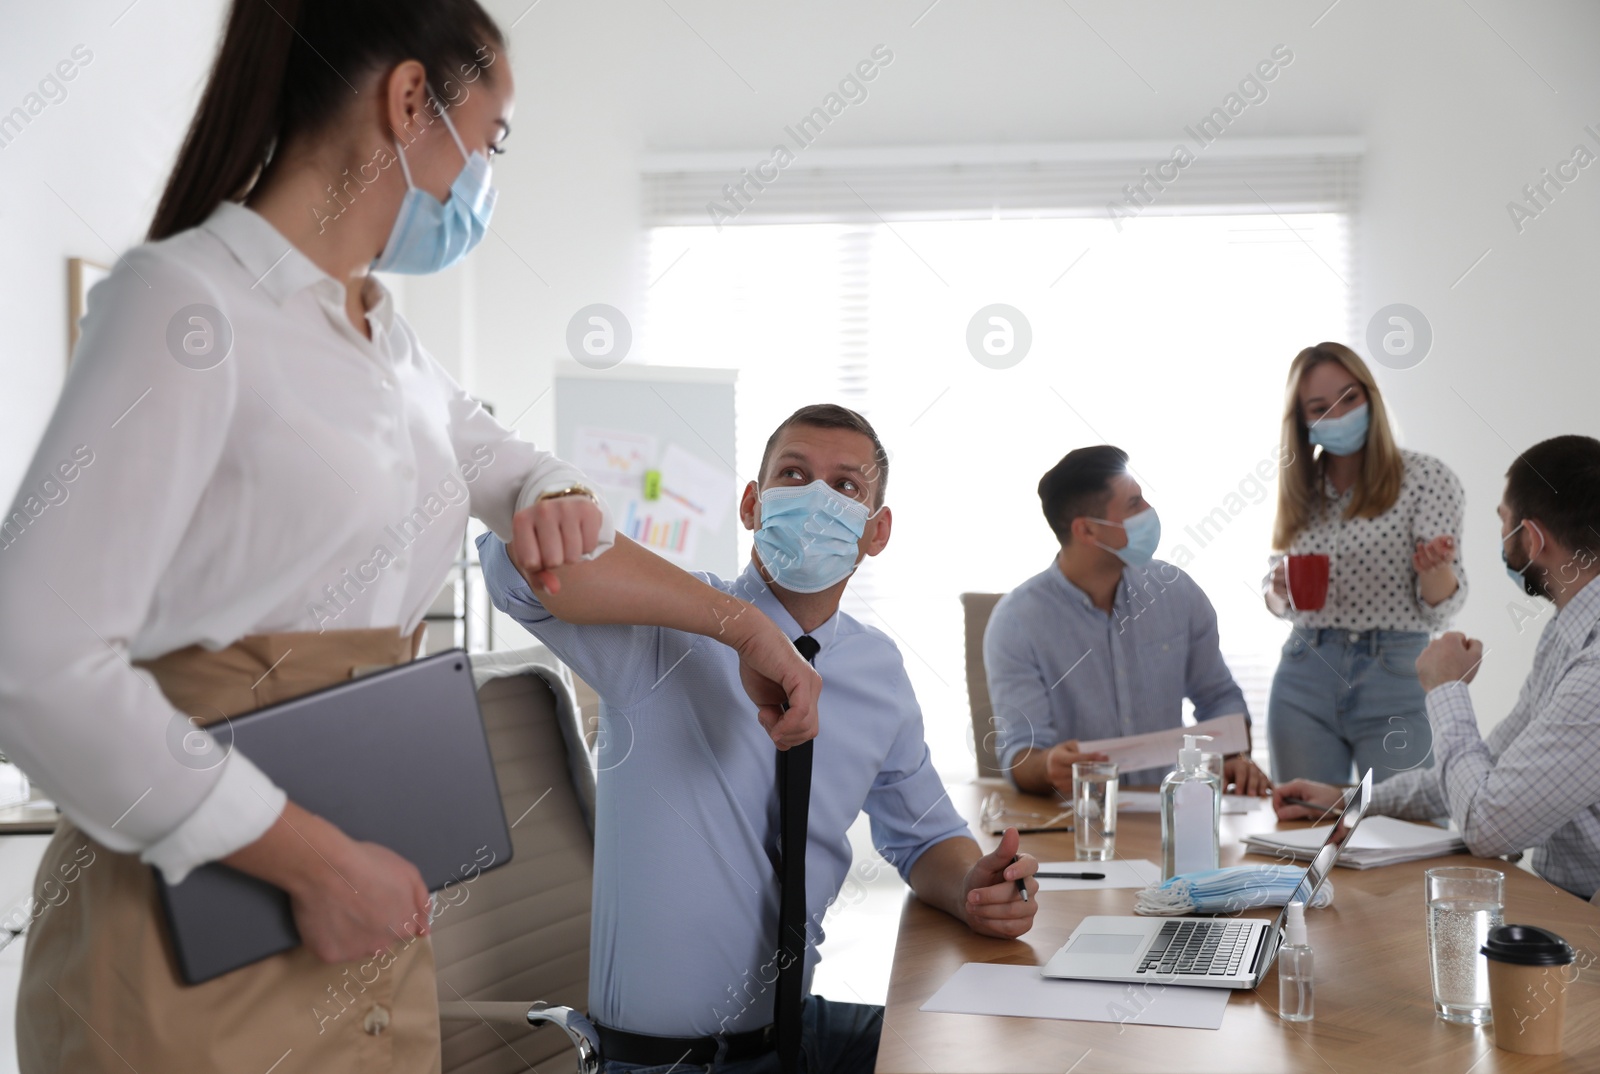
[(1294, 968), (1191, 814)]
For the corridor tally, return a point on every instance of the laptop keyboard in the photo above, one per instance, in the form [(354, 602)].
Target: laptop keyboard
[(1197, 949)]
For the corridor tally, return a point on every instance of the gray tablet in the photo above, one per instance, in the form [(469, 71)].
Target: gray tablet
[(397, 757)]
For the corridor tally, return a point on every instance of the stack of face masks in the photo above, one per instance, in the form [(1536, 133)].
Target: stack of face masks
[(1230, 890)]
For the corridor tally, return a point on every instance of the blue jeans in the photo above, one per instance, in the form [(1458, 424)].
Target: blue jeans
[(1341, 696), (836, 1038)]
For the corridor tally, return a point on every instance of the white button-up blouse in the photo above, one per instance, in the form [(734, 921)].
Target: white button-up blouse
[(229, 456)]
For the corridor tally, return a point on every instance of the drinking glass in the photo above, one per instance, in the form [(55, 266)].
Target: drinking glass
[(1094, 808), (1463, 905)]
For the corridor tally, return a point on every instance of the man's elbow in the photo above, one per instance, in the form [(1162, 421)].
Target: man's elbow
[(1487, 839)]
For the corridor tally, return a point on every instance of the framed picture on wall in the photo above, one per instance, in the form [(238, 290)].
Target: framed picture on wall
[(82, 274)]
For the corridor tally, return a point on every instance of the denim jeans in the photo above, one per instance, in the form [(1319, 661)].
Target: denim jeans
[(1341, 696), (836, 1038)]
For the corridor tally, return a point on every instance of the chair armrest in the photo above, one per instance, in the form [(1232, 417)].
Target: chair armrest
[(532, 1016), (496, 1013)]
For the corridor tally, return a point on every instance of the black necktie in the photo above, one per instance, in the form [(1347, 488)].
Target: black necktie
[(794, 808)]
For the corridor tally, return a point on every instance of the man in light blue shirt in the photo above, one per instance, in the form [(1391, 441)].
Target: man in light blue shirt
[(1106, 641), (686, 892)]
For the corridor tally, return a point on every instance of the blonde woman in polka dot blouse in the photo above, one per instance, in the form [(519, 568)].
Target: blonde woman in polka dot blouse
[(1346, 688)]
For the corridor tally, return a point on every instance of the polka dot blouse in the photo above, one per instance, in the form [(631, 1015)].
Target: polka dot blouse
[(1372, 584)]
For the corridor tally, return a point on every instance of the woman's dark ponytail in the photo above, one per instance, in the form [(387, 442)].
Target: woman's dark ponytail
[(288, 67), (238, 117)]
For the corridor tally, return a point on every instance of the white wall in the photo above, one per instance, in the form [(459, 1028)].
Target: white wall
[(1456, 111), (104, 150)]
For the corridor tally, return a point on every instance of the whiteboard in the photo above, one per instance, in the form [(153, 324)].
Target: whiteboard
[(617, 423)]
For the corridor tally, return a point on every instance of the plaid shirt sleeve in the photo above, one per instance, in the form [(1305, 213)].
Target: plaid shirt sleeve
[(1413, 795), (1539, 771)]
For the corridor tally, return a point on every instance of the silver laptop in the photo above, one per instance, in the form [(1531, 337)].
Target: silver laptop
[(397, 757), (1205, 952)]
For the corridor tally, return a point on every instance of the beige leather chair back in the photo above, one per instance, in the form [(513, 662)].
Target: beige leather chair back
[(521, 932), (976, 608)]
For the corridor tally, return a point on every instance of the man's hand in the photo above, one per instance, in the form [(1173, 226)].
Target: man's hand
[(993, 905), (552, 533), (1453, 657), (1431, 555), (1240, 774), (1058, 764), (779, 680), (1322, 796)]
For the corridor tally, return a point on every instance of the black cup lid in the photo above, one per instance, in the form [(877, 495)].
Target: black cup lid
[(1527, 945)]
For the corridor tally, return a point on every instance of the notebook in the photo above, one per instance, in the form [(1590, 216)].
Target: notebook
[(1381, 841)]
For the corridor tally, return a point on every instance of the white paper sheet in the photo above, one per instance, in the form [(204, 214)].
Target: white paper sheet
[(613, 456), (1019, 991), (1379, 841), (660, 525), (1120, 873), (703, 489), (1159, 749), (1150, 802)]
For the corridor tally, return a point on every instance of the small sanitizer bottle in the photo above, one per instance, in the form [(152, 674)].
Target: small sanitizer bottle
[(1191, 814), (1294, 968)]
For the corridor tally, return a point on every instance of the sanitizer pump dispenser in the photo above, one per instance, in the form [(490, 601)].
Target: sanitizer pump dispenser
[(1191, 814)]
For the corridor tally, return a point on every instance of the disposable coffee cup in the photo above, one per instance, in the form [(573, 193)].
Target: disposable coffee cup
[(1529, 970)]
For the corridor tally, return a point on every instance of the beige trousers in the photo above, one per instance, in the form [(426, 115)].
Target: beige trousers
[(100, 991)]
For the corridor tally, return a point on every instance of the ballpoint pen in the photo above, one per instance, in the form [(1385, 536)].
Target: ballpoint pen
[(1022, 888), (1069, 876)]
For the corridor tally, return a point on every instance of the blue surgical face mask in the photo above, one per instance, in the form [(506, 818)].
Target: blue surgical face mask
[(1144, 534), (1344, 435), (428, 236), (1524, 583), (809, 534)]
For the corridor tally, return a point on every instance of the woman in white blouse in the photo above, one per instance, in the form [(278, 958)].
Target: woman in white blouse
[(1346, 687), (255, 481)]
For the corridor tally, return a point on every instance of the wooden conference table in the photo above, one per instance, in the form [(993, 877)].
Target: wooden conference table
[(1374, 1001)]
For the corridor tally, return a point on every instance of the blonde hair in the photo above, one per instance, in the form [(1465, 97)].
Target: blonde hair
[(1300, 485)]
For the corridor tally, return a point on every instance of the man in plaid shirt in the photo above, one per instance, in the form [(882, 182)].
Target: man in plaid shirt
[(1535, 781)]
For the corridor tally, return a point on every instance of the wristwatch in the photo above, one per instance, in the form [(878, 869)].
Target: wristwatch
[(569, 490)]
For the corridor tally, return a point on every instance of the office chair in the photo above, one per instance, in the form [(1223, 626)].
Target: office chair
[(976, 608), (522, 930)]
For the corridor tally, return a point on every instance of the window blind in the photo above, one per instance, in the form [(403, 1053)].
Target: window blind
[(789, 183)]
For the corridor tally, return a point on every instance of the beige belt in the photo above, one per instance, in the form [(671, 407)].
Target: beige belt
[(99, 990)]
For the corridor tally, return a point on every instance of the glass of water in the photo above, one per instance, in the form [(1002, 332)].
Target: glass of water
[(1463, 905), (14, 788), (1094, 809)]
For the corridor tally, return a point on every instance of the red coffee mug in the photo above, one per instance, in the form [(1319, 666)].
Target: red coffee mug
[(1308, 582)]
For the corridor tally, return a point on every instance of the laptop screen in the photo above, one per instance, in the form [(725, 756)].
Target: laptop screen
[(1354, 807)]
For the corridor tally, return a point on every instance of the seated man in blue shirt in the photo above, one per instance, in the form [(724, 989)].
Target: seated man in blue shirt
[(1106, 641), (686, 888), (1534, 781)]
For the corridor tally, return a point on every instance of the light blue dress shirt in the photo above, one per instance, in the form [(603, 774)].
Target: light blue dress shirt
[(684, 934), (1059, 668)]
